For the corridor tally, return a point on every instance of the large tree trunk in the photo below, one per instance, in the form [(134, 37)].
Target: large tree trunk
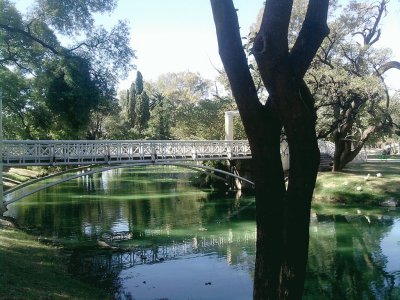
[(339, 154), (343, 153), (343, 146), (283, 215)]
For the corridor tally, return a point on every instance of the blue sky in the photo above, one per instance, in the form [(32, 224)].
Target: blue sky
[(179, 35), (176, 35)]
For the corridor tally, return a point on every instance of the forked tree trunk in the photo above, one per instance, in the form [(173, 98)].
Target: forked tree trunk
[(283, 215), (344, 150), (342, 155)]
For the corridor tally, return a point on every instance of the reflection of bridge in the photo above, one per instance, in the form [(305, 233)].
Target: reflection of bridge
[(56, 153), (124, 258)]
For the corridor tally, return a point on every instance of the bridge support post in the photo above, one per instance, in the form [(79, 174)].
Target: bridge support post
[(153, 153)]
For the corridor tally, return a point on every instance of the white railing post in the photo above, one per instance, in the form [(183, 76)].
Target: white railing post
[(108, 155), (52, 154), (153, 152), (194, 152), (229, 150)]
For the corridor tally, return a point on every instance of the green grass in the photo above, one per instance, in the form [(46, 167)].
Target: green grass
[(31, 270), (341, 187), (16, 177), (380, 156)]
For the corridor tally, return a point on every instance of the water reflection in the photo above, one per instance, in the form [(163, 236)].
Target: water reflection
[(168, 239), (346, 258), (221, 255)]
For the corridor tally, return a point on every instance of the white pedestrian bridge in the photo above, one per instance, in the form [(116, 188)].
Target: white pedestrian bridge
[(115, 154), (84, 152), (125, 153)]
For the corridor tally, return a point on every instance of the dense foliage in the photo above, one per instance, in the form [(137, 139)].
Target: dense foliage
[(59, 87), (175, 106), (354, 104)]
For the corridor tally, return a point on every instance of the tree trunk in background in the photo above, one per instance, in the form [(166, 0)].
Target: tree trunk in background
[(343, 153), (283, 215)]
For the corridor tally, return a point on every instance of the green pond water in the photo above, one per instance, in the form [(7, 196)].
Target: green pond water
[(175, 241)]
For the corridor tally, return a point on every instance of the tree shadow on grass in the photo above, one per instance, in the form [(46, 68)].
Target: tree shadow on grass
[(31, 270)]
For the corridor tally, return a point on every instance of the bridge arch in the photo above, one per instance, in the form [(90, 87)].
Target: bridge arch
[(108, 168)]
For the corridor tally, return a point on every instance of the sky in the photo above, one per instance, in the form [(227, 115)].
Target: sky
[(176, 35), (179, 35)]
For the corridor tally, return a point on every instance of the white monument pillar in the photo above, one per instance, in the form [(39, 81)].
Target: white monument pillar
[(229, 124)]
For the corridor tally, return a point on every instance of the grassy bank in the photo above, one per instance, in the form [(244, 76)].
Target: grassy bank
[(31, 270), (15, 176), (352, 186)]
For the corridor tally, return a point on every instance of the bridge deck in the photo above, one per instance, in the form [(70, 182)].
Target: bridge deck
[(37, 152)]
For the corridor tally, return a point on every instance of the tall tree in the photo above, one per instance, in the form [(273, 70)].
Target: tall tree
[(130, 108), (347, 78), (70, 93), (142, 109), (106, 110), (139, 83), (30, 46), (160, 122), (283, 214)]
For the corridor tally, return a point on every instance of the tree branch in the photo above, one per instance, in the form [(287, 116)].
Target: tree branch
[(387, 66), (369, 39), (235, 63), (30, 36), (312, 33), (271, 42)]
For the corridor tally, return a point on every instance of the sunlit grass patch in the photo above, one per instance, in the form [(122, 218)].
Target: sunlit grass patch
[(355, 186)]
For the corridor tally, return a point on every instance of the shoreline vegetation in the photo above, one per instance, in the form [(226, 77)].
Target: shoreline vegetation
[(34, 270)]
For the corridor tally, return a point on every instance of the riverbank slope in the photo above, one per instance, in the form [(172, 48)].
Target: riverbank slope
[(369, 183), (32, 270)]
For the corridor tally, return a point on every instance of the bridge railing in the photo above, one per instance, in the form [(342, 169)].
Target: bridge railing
[(38, 152)]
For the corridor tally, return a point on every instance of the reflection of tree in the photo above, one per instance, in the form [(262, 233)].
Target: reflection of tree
[(97, 270), (346, 261)]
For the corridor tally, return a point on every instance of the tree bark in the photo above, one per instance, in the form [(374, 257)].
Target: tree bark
[(283, 215), (344, 151)]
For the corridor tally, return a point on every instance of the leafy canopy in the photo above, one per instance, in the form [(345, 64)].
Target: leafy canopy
[(69, 64)]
